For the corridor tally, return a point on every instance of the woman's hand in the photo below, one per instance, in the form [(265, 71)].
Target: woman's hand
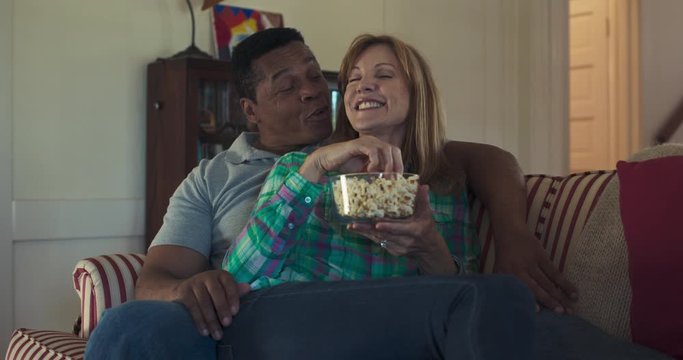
[(366, 153), (415, 237)]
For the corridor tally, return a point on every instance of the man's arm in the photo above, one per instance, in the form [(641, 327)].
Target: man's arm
[(497, 180), (179, 274)]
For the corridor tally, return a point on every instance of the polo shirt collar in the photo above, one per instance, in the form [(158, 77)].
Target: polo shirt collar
[(242, 150)]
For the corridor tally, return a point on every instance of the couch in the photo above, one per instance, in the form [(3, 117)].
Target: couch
[(575, 217)]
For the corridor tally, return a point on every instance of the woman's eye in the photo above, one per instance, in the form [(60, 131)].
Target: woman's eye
[(353, 79)]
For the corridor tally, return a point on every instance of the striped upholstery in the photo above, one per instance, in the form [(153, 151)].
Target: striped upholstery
[(102, 282), (557, 210), (27, 344)]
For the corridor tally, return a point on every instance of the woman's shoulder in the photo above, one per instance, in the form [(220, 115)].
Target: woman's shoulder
[(291, 160)]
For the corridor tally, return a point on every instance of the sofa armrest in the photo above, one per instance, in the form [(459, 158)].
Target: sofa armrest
[(103, 282), (29, 344)]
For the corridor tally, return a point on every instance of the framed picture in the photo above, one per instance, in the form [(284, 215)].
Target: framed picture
[(232, 24)]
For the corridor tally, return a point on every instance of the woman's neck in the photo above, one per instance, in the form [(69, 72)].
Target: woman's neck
[(393, 137)]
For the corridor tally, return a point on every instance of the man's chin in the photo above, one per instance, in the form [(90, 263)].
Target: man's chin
[(321, 131)]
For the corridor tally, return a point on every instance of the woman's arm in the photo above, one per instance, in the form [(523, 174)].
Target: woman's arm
[(284, 204), (497, 180)]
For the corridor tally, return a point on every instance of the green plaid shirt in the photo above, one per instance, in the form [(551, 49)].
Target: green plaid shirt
[(292, 235)]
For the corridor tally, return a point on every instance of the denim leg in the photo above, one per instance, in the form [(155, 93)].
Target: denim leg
[(477, 317), (148, 330), (567, 337)]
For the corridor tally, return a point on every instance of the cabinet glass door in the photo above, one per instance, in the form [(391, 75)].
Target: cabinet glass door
[(219, 117)]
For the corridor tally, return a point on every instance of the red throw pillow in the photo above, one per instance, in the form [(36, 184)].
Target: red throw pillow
[(651, 202)]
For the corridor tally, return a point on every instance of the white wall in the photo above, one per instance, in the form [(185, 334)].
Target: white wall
[(6, 278), (72, 96), (661, 65), (500, 64)]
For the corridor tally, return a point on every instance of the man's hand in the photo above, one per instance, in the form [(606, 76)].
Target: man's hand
[(212, 298), (524, 257), (176, 273)]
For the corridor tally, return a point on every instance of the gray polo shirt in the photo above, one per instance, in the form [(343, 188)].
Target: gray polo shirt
[(212, 205)]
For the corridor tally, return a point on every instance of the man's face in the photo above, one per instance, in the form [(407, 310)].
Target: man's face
[(292, 106)]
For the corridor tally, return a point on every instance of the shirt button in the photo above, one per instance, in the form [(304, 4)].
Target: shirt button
[(307, 199), (290, 226)]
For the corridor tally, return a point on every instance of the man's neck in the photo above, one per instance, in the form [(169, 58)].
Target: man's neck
[(275, 148)]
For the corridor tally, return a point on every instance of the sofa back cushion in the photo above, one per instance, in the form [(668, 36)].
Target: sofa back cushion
[(557, 210), (599, 268)]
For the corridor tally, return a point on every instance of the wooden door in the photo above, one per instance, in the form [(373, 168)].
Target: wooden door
[(590, 139)]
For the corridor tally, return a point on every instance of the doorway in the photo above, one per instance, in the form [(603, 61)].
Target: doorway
[(604, 87)]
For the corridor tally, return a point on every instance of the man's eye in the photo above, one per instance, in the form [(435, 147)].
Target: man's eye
[(286, 89)]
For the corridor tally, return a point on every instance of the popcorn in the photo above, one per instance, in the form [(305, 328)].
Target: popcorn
[(375, 195)]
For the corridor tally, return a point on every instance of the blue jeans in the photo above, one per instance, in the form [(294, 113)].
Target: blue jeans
[(469, 317), (566, 337)]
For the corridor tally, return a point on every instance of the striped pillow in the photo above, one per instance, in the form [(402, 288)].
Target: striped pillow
[(27, 344), (557, 210), (102, 282)]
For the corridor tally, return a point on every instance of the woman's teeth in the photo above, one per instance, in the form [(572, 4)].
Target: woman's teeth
[(369, 105)]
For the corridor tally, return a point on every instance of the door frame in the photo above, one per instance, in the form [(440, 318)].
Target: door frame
[(624, 74), (623, 71)]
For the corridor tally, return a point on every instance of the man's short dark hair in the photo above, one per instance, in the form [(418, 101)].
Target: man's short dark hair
[(252, 48)]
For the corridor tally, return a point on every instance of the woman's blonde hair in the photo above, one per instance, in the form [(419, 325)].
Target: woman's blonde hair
[(423, 145)]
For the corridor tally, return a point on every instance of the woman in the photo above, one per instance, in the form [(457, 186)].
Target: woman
[(292, 245), (391, 117)]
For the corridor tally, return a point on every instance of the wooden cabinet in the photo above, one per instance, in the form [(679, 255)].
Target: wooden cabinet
[(193, 112)]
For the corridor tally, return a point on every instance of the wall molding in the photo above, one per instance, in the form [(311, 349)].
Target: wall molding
[(74, 219)]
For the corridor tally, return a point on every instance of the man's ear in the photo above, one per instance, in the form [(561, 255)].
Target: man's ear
[(249, 109)]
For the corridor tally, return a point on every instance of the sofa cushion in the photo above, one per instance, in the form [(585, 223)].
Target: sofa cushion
[(651, 197), (557, 210), (599, 265), (28, 344), (573, 203)]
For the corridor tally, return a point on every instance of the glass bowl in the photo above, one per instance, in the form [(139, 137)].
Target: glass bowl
[(363, 197)]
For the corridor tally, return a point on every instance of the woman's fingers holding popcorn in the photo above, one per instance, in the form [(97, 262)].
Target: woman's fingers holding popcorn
[(366, 153), (381, 156), (397, 163)]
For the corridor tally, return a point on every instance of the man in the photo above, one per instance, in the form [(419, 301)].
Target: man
[(284, 95)]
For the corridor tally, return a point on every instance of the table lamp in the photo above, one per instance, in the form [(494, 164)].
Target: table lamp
[(192, 50)]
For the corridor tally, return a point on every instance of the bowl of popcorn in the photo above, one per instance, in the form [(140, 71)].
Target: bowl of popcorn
[(365, 197)]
